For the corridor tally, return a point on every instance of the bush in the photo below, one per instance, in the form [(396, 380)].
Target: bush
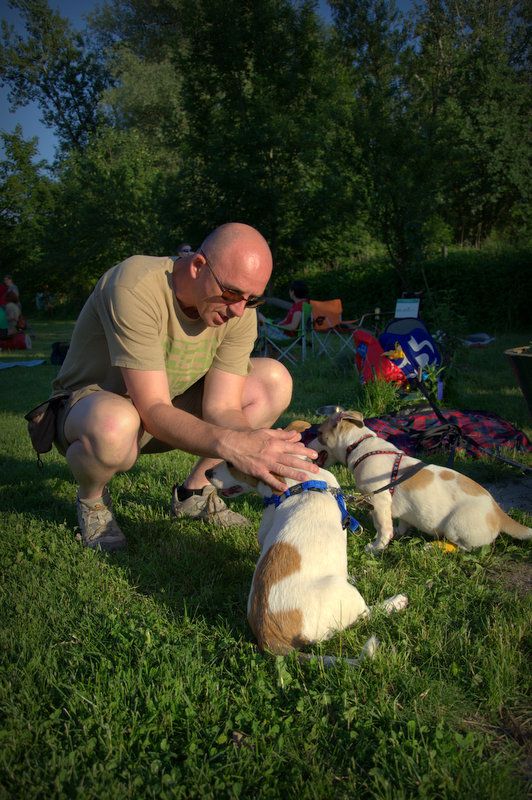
[(467, 291)]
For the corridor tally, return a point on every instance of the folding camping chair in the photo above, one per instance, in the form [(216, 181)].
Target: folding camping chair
[(329, 334), (274, 342), (321, 330), (374, 322)]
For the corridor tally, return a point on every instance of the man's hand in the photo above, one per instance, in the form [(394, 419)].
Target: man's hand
[(269, 455)]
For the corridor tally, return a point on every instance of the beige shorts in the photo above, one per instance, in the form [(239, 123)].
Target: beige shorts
[(191, 401)]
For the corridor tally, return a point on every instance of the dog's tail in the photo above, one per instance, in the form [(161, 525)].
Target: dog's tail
[(512, 527), (368, 651)]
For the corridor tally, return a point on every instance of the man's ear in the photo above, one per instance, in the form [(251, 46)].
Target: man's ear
[(196, 264)]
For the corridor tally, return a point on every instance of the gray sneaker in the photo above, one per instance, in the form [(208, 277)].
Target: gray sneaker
[(98, 527), (206, 506)]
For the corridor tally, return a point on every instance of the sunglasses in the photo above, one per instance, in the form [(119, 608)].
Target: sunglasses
[(231, 296)]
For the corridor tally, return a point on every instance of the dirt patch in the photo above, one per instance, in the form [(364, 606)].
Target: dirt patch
[(513, 493), (514, 576), (513, 724)]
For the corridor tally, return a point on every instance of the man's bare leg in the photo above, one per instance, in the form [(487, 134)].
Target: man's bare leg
[(103, 429), (267, 393)]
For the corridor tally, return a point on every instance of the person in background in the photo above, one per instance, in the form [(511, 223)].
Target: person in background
[(184, 250), (289, 325), (15, 337), (10, 287), (6, 286), (13, 312), (169, 368), (298, 293)]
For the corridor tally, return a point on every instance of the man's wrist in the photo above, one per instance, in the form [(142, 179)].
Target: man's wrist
[(228, 444)]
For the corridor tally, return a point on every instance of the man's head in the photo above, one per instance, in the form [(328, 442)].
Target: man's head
[(234, 260), (8, 280)]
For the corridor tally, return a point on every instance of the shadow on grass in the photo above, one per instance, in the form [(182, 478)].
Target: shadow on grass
[(34, 491), (193, 569), (190, 567)]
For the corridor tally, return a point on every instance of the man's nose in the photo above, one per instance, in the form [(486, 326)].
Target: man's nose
[(237, 309)]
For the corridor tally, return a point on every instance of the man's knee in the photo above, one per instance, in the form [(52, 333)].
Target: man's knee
[(272, 373), (273, 381), (107, 426)]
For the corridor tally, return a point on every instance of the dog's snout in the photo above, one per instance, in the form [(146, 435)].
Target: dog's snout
[(209, 473)]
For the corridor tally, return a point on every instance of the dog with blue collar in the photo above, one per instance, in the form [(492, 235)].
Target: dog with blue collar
[(300, 593)]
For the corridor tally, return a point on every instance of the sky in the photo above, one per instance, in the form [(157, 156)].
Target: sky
[(28, 116)]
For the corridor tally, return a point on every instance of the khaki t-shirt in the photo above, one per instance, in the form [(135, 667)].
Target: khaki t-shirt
[(132, 319)]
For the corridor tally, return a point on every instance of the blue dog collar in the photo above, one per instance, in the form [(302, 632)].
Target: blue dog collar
[(348, 521)]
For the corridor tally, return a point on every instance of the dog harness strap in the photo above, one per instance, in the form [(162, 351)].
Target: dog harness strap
[(348, 521), (355, 444), (317, 486), (298, 488), (395, 470), (373, 453)]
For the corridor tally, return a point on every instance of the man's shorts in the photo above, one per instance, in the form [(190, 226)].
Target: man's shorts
[(191, 401)]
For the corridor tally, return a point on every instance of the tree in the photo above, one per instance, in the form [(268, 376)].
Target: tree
[(108, 208), (54, 67), (469, 75), (26, 203), (394, 140), (259, 119)]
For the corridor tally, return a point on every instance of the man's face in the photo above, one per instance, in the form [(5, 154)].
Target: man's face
[(247, 280)]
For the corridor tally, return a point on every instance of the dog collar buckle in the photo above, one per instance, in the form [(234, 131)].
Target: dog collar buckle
[(348, 521)]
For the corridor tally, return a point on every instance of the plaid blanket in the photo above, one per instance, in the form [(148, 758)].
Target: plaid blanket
[(423, 431)]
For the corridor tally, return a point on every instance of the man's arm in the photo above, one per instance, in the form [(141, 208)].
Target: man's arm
[(266, 454), (222, 400)]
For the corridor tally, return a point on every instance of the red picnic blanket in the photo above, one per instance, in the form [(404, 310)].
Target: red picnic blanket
[(422, 430)]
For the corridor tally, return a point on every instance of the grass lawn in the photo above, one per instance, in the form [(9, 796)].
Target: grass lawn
[(135, 675)]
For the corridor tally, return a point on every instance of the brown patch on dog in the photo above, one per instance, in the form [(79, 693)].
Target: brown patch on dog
[(492, 519), (420, 480), (279, 632), (238, 475), (279, 478), (447, 475), (470, 487), (336, 420), (353, 417), (298, 425)]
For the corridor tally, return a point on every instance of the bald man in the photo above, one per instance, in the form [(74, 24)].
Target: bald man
[(160, 360)]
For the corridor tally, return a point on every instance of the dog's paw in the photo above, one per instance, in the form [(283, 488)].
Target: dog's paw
[(396, 603), (400, 529), (370, 648), (375, 547)]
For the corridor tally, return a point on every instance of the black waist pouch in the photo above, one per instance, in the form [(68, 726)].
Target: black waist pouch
[(42, 424)]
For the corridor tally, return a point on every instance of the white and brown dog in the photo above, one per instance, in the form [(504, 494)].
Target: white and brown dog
[(436, 500), (300, 593)]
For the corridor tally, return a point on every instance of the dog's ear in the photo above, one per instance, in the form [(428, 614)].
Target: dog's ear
[(298, 425), (279, 478), (354, 417)]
